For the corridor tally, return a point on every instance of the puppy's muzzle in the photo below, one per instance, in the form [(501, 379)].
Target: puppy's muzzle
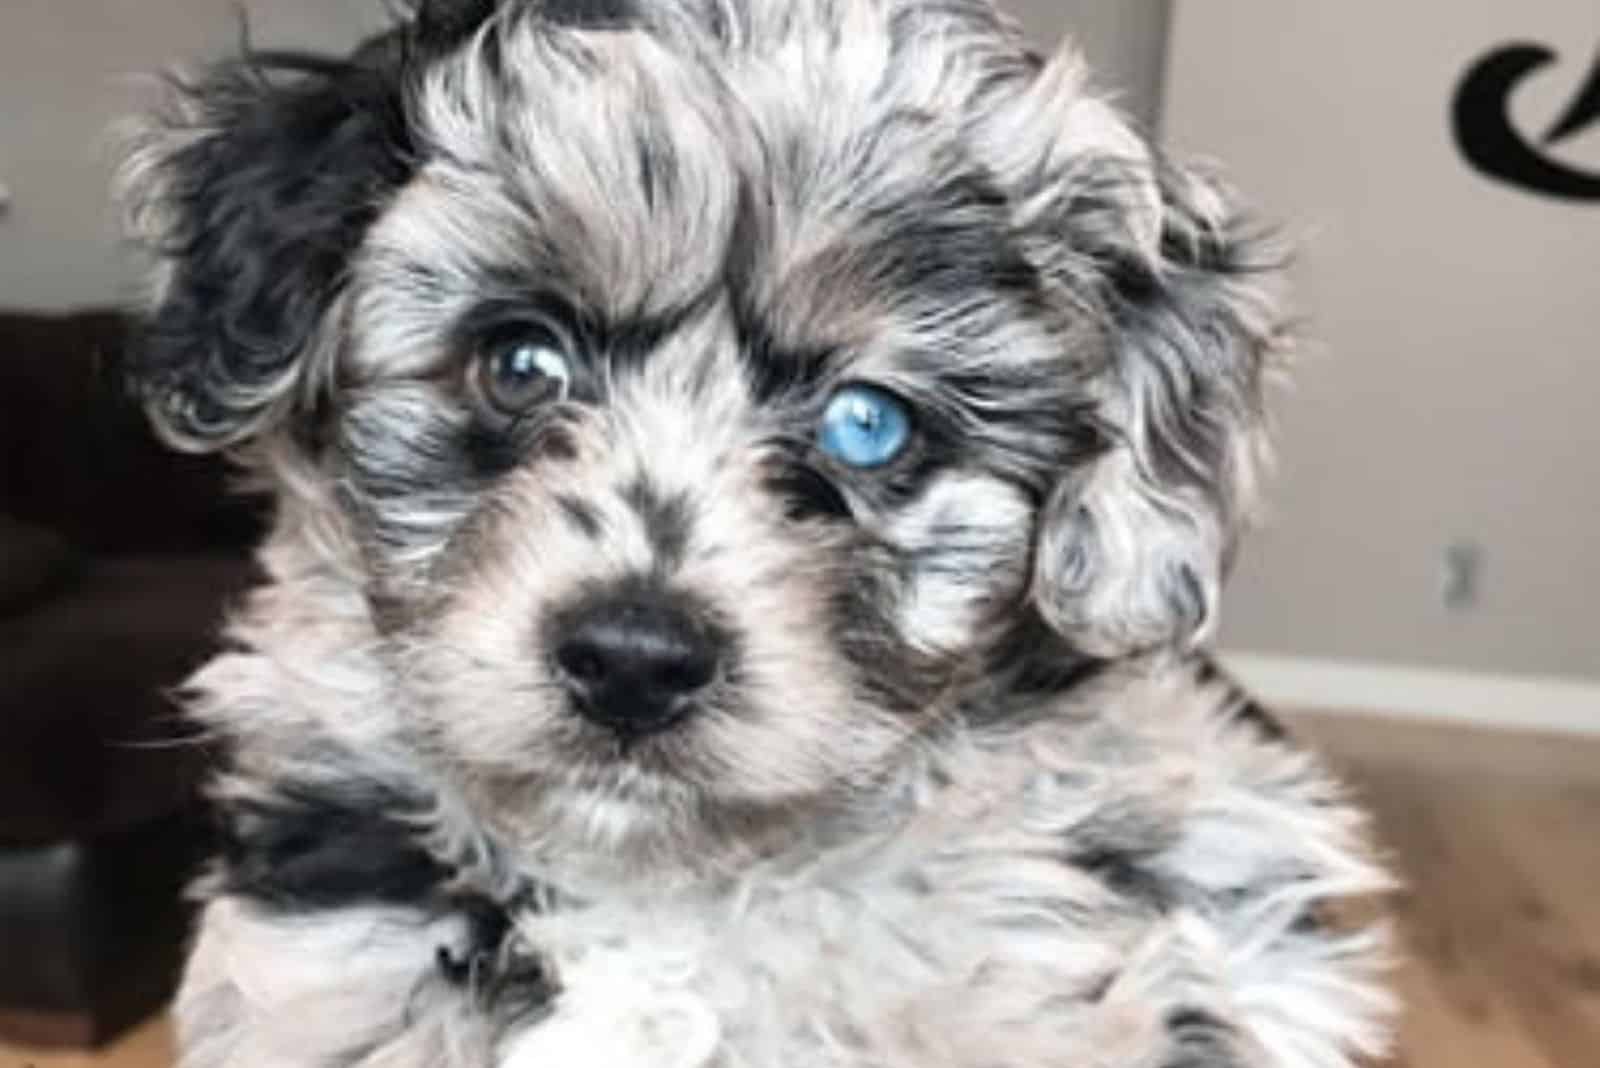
[(634, 660)]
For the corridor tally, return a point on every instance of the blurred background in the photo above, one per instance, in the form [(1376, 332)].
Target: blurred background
[(1422, 597)]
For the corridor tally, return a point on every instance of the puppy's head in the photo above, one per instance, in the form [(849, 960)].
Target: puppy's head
[(712, 396)]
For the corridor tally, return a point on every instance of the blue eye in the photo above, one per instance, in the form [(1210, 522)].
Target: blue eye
[(865, 427)]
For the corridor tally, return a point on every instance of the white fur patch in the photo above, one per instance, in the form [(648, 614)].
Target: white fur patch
[(611, 1015)]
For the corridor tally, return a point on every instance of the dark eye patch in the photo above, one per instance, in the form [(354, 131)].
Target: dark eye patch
[(495, 452), (807, 493)]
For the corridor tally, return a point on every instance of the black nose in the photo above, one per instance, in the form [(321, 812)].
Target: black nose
[(633, 662)]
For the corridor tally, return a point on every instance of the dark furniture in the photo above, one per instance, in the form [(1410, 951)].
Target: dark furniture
[(117, 557)]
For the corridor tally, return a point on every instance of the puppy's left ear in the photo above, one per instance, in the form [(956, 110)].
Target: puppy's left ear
[(1134, 541)]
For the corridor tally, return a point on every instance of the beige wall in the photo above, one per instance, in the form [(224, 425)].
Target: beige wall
[(1453, 393), (67, 70)]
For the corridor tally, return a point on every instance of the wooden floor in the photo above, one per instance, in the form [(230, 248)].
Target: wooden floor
[(1497, 836), (150, 1046)]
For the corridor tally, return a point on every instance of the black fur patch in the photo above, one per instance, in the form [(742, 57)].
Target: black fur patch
[(442, 23), (666, 520), (953, 245), (590, 14), (808, 493), (494, 451), (1243, 708), (657, 167), (315, 846), (1036, 662), (1264, 723), (580, 513), (1126, 873), (631, 341), (391, 456), (501, 975)]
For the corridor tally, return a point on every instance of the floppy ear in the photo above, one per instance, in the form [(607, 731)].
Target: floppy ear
[(251, 193), (1133, 543)]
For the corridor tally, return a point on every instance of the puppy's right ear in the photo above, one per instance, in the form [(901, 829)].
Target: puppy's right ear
[(251, 191)]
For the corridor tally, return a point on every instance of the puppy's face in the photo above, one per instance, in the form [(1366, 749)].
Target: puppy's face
[(713, 405)]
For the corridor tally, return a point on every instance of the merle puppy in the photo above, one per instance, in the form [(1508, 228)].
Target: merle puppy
[(750, 477)]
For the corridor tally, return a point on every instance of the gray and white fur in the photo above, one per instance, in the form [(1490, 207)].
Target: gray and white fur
[(950, 786)]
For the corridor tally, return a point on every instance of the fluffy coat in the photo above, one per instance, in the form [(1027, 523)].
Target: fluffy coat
[(960, 793)]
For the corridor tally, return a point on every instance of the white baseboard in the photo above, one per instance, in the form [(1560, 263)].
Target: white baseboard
[(1515, 702)]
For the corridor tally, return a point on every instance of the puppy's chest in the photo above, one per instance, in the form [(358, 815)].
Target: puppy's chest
[(916, 963)]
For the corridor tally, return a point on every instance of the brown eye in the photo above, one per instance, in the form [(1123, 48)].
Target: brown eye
[(524, 370)]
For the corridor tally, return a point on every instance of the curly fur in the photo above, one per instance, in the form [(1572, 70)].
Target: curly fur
[(961, 794)]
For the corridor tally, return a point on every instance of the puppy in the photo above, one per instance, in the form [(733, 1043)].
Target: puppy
[(750, 476)]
